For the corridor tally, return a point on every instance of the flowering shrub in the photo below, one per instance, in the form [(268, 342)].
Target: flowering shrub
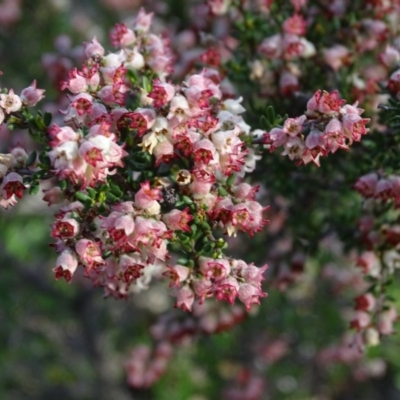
[(167, 149)]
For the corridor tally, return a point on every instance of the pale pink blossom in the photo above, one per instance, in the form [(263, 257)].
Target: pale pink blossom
[(66, 265), (31, 95), (10, 102)]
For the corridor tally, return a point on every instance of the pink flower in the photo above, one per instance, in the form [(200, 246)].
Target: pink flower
[(20, 156), (119, 226), (298, 4), (295, 25), (76, 83), (178, 220), (61, 135), (355, 126), (94, 49), (384, 189), (185, 298), (142, 21), (366, 185), (204, 152), (325, 103), (53, 195), (132, 267), (227, 289), (390, 57), (10, 102), (142, 119), (89, 253), (146, 196), (394, 82), (250, 294), (337, 56), (214, 269), (162, 93), (253, 275), (293, 46), (164, 152), (81, 105), (293, 126), (365, 302), (276, 138), (288, 83), (179, 109), (31, 95), (271, 47), (369, 263), (121, 36), (244, 191), (219, 7), (294, 148), (66, 265), (386, 320), (177, 274), (65, 228), (12, 185), (203, 288), (360, 320)]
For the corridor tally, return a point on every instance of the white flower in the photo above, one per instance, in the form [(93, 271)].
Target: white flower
[(234, 106)]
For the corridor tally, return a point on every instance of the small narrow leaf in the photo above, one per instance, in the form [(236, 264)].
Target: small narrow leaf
[(31, 159), (83, 197), (34, 189)]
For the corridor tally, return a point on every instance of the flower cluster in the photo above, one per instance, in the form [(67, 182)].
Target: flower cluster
[(328, 125), (378, 226), (146, 364), (374, 314), (224, 278), (372, 320), (148, 169), (12, 186), (284, 46), (379, 188), (134, 235)]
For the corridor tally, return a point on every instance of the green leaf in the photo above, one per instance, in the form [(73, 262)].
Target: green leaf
[(205, 226), (271, 114), (39, 122), (83, 197), (44, 159), (187, 200), (34, 189), (146, 84), (132, 76), (63, 184), (264, 123), (31, 159), (39, 174), (222, 191), (230, 180), (111, 197), (92, 193), (47, 118), (107, 254), (115, 189)]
